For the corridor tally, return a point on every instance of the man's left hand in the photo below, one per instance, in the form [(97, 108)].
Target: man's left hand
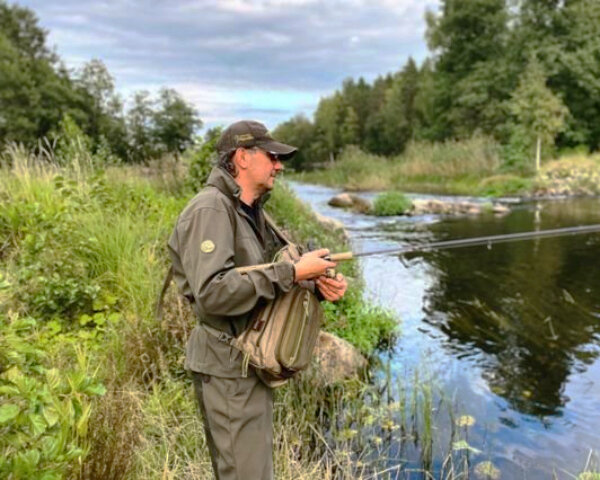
[(332, 289)]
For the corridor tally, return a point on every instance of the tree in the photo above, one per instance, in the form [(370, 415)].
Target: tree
[(35, 91), (538, 111), (106, 123), (175, 122), (350, 129), (140, 128), (300, 132), (328, 120), (467, 40)]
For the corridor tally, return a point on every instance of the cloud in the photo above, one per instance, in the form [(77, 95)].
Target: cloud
[(276, 47)]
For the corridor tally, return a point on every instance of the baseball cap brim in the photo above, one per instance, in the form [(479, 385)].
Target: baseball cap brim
[(283, 151)]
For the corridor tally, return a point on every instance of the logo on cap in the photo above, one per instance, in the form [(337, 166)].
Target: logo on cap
[(244, 137)]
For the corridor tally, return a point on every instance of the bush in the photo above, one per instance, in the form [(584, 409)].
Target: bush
[(572, 175), (499, 185), (44, 412), (202, 160), (391, 203)]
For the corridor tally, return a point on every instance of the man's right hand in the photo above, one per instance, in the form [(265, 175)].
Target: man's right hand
[(312, 265)]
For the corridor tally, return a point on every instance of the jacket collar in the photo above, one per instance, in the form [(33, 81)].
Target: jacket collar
[(222, 179)]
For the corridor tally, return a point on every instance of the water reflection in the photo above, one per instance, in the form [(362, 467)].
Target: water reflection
[(531, 307)]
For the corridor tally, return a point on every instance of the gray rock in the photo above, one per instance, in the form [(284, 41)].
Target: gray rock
[(350, 200), (337, 359), (331, 224)]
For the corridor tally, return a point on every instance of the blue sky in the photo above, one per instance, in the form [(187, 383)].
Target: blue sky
[(233, 59)]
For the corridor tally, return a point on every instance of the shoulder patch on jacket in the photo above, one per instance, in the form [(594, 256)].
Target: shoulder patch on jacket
[(207, 246)]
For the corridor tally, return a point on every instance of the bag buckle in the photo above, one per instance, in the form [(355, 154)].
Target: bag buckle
[(223, 337)]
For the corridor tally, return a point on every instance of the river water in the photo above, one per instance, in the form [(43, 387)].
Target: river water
[(509, 335)]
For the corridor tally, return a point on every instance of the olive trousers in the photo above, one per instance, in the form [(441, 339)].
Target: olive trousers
[(238, 423)]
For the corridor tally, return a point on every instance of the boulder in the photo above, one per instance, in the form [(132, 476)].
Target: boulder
[(337, 359), (359, 204), (342, 200), (434, 206), (331, 224), (499, 209), (350, 200)]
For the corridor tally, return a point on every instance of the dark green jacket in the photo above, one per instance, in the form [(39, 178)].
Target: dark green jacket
[(213, 235)]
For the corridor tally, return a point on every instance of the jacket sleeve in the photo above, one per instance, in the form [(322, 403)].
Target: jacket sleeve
[(206, 244)]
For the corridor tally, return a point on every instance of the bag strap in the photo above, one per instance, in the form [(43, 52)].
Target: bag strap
[(276, 229), (163, 291)]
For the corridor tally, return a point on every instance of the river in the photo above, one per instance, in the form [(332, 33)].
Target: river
[(509, 335)]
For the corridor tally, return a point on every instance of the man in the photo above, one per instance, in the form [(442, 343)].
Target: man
[(223, 227)]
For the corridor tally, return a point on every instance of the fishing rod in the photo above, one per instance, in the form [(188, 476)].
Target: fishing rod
[(476, 241), (460, 243)]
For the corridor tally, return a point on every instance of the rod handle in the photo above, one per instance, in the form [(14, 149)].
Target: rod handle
[(340, 257)]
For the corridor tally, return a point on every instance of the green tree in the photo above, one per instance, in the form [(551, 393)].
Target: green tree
[(35, 91), (107, 122), (328, 120), (350, 129), (202, 159), (140, 128), (300, 132), (467, 39), (175, 122), (538, 111)]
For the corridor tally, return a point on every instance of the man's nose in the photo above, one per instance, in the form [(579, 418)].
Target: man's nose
[(278, 165)]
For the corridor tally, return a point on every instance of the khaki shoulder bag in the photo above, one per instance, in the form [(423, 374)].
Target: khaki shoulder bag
[(282, 334)]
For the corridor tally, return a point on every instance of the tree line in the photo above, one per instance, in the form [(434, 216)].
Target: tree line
[(39, 98), (526, 72)]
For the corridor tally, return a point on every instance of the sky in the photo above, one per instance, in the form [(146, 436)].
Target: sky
[(238, 59)]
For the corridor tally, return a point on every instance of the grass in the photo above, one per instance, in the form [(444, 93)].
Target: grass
[(83, 254), (467, 167), (391, 203)]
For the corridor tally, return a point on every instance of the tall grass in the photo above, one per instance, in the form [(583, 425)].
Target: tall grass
[(454, 166), (475, 157)]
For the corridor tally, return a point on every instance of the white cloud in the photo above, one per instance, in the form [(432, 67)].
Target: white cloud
[(224, 47)]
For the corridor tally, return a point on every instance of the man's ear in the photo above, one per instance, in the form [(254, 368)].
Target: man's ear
[(241, 158)]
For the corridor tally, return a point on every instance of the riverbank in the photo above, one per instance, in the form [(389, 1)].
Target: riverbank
[(472, 167), (91, 386)]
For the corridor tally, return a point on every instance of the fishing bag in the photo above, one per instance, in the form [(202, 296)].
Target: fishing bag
[(281, 335)]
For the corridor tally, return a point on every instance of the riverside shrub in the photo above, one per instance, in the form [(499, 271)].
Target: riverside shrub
[(44, 412), (391, 203)]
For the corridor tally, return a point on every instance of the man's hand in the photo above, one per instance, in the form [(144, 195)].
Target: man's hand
[(312, 265), (332, 289)]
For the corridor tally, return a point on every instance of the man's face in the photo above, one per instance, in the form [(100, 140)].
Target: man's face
[(262, 169)]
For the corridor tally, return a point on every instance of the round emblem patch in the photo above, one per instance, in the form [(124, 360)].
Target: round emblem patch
[(207, 246)]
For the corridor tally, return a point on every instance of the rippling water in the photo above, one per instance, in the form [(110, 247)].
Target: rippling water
[(511, 334)]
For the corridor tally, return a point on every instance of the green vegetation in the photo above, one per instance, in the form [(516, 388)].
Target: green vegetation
[(37, 93), (470, 167), (82, 255), (391, 203), (516, 72), (506, 86)]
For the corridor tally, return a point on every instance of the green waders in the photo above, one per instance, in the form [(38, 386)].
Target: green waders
[(238, 422)]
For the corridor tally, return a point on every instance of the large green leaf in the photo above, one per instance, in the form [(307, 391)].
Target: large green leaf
[(8, 412)]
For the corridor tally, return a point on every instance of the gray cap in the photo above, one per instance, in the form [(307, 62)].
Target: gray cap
[(248, 134)]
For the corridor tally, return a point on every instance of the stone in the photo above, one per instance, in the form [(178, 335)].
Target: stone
[(342, 200), (331, 224), (360, 204), (499, 209), (350, 200), (337, 359)]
